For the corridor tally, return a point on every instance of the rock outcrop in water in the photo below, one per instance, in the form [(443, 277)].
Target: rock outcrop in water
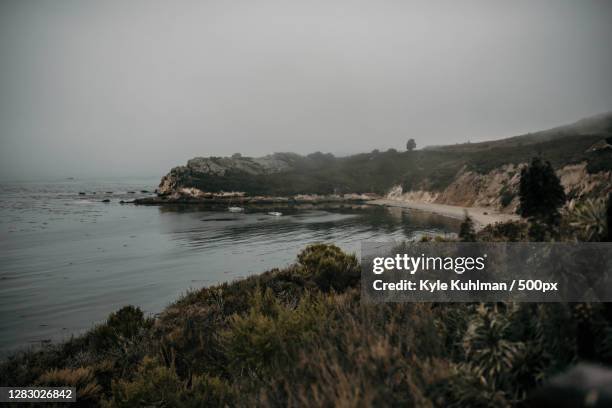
[(184, 176)]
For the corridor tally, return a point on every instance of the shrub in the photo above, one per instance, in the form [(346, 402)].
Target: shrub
[(269, 333), (158, 385), (328, 267), (466, 230), (505, 197), (466, 387), (588, 220), (87, 390), (599, 161), (489, 348), (120, 327), (511, 231)]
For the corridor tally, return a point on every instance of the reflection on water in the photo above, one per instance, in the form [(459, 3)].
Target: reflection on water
[(67, 260), (346, 227)]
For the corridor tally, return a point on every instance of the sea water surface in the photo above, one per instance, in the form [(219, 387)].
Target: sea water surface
[(67, 260)]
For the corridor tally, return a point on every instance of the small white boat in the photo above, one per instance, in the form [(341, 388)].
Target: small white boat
[(275, 213), (235, 209)]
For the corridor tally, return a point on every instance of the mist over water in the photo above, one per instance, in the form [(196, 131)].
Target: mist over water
[(68, 260), (121, 88)]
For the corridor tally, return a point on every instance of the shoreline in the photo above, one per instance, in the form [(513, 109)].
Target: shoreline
[(481, 216), (252, 200)]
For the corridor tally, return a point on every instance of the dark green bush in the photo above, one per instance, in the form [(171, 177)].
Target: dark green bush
[(120, 327), (599, 161), (270, 333), (466, 230), (329, 267), (511, 231), (505, 197)]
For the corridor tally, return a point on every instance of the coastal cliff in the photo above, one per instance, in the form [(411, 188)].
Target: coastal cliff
[(499, 188)]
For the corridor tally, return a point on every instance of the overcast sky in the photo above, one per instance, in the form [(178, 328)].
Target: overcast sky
[(112, 88)]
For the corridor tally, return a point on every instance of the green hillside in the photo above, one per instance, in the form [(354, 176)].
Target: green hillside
[(430, 168)]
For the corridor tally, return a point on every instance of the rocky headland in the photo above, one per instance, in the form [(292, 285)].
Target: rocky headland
[(481, 175)]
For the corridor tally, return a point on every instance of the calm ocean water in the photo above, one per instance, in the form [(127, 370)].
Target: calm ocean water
[(68, 260)]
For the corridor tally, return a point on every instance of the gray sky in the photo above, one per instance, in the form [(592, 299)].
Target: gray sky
[(111, 88)]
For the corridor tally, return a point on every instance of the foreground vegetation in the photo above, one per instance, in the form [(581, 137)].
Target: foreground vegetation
[(300, 336)]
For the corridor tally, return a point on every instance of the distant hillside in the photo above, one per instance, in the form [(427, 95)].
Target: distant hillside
[(588, 140), (598, 125)]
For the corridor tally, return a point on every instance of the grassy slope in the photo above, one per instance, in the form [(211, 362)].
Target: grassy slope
[(300, 336), (432, 168)]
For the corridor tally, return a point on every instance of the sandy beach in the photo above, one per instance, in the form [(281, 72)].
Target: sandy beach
[(482, 216)]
